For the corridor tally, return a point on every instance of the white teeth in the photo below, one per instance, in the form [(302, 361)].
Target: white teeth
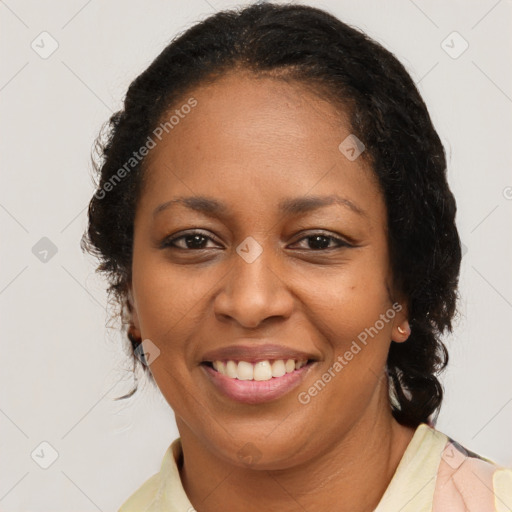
[(231, 369), (278, 368), (245, 371), (289, 365), (260, 371)]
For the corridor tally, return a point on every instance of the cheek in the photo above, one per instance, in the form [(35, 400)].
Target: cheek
[(167, 296), (358, 326), (352, 299), (355, 321), (168, 303)]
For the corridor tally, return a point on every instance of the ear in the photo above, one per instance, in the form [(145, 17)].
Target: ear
[(401, 328), (133, 319)]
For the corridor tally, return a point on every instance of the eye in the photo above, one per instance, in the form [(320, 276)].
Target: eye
[(197, 240), (321, 241), (193, 240)]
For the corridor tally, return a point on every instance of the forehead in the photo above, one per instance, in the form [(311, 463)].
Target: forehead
[(251, 110), (256, 138)]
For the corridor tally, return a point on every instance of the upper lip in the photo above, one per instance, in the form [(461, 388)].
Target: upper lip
[(254, 353)]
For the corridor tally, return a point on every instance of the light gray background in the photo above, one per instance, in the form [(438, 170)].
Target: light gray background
[(61, 366)]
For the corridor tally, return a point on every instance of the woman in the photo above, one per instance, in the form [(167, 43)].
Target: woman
[(274, 217)]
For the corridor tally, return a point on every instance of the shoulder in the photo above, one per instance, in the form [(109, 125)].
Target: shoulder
[(467, 481), (143, 496), (154, 492)]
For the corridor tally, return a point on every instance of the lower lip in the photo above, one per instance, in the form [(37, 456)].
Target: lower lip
[(256, 391)]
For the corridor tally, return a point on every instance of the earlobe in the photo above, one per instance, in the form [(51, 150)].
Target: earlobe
[(403, 331), (401, 328), (134, 333)]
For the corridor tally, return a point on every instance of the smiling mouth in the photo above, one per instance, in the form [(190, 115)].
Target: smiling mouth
[(264, 370)]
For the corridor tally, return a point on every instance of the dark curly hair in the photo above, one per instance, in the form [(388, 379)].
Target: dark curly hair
[(384, 108)]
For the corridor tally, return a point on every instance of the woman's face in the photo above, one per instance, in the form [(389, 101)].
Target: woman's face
[(277, 272)]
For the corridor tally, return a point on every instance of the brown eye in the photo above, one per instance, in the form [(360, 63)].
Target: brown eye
[(321, 241), (194, 240)]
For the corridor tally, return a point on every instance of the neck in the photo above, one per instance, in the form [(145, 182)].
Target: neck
[(352, 474)]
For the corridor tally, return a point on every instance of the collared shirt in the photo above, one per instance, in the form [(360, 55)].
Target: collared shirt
[(435, 474)]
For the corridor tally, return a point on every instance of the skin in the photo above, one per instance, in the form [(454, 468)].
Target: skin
[(250, 143)]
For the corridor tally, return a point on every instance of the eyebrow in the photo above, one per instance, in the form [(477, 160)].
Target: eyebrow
[(289, 206)]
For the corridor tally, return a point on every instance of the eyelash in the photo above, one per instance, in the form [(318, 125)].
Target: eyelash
[(168, 242)]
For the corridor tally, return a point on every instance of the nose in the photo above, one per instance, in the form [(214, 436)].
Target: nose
[(253, 292)]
